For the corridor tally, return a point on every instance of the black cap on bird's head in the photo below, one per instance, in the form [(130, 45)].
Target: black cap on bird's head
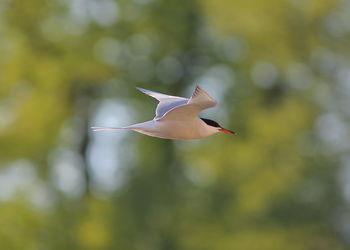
[(216, 125)]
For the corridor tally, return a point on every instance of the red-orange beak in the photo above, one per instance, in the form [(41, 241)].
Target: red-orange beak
[(227, 131)]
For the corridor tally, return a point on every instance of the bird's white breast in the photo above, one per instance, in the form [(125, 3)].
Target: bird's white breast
[(173, 129)]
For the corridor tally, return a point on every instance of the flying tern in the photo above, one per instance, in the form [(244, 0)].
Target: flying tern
[(177, 117)]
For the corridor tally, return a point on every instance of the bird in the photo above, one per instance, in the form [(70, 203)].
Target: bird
[(177, 117)]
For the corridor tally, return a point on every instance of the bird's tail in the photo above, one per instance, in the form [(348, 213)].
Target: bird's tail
[(104, 128)]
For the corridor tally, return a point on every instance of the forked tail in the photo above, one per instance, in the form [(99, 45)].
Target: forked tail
[(104, 128), (135, 127)]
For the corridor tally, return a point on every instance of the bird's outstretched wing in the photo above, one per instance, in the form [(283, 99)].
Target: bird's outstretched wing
[(199, 101), (166, 102)]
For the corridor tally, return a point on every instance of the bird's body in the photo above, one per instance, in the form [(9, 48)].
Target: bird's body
[(177, 117), (183, 130)]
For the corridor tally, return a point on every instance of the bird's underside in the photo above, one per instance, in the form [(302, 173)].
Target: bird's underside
[(171, 129)]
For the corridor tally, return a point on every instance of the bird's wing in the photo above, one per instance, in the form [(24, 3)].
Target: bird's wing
[(166, 102), (199, 101)]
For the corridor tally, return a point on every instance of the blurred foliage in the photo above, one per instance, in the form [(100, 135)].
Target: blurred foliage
[(281, 73)]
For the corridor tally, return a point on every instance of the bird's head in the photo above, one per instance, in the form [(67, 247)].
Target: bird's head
[(217, 127)]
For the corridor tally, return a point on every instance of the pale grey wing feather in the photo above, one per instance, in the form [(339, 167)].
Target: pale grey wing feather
[(182, 112), (199, 101), (165, 105), (166, 102)]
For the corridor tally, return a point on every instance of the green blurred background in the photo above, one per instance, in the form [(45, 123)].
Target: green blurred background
[(280, 70)]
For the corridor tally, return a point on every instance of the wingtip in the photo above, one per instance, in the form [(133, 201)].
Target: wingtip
[(197, 87), (141, 89)]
